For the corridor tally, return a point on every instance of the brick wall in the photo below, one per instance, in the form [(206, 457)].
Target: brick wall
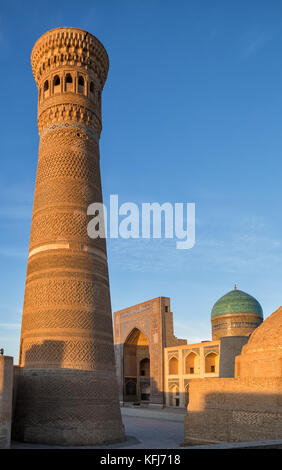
[(230, 410)]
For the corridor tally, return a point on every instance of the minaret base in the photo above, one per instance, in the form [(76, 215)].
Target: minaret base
[(66, 407)]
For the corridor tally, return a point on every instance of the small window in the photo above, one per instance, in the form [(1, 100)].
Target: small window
[(68, 78), (191, 370), (91, 87), (69, 84), (212, 368), (166, 308), (56, 80), (46, 85), (80, 84)]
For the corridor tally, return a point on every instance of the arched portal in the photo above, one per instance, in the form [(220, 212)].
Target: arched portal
[(173, 366), (136, 366), (212, 363), (192, 363)]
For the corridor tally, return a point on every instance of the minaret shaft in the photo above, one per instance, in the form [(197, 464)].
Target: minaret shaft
[(67, 392)]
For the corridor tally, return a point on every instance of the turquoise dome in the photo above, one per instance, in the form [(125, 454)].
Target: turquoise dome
[(236, 301)]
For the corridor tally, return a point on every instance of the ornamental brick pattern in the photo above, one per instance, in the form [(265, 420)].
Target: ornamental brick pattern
[(234, 325), (67, 388)]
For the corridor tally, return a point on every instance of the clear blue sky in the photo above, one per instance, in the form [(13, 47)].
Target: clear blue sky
[(191, 112)]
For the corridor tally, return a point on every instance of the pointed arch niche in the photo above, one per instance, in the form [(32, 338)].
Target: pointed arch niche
[(136, 367)]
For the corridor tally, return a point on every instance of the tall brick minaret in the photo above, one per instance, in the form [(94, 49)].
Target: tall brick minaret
[(67, 391)]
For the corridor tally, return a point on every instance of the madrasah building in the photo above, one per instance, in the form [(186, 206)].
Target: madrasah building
[(156, 368)]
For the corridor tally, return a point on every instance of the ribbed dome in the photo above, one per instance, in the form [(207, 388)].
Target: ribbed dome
[(236, 301), (261, 357), (268, 335)]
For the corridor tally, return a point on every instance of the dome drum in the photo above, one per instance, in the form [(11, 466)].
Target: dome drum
[(235, 314)]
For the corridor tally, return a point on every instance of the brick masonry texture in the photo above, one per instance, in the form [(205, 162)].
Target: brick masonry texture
[(6, 394), (249, 406), (66, 386)]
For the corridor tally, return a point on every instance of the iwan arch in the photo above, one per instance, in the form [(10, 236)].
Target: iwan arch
[(155, 367), (141, 333)]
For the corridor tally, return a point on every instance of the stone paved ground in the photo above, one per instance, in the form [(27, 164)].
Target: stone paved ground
[(154, 433), (146, 433), (142, 433)]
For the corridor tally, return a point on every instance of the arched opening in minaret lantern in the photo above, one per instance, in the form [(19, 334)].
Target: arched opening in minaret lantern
[(68, 82), (80, 84), (56, 84), (46, 88)]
